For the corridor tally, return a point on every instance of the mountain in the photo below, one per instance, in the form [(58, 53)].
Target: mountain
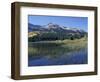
[(32, 27), (53, 28), (54, 31)]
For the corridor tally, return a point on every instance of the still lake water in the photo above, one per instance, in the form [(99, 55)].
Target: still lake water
[(41, 55)]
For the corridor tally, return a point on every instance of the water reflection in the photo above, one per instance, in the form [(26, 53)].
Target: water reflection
[(41, 54)]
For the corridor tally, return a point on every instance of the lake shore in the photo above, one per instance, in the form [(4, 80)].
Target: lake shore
[(66, 45), (57, 52)]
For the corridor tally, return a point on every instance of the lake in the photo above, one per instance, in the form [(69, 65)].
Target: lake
[(44, 54)]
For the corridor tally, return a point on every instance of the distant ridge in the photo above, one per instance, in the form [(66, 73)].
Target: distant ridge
[(53, 27)]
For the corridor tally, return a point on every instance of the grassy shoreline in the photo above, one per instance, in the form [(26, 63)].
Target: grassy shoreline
[(56, 48), (74, 43)]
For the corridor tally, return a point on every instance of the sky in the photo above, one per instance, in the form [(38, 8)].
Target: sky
[(72, 22)]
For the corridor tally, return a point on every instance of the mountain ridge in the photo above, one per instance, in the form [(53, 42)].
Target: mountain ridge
[(53, 32), (51, 26)]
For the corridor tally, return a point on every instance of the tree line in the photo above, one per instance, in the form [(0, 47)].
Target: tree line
[(55, 36)]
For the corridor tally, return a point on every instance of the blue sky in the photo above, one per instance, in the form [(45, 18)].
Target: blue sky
[(72, 22)]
